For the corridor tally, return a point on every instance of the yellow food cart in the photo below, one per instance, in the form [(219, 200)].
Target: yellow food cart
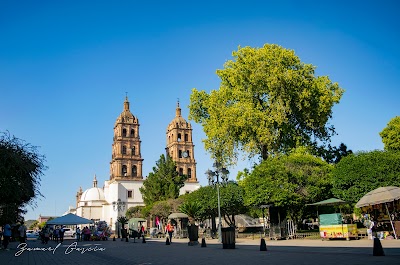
[(331, 226)]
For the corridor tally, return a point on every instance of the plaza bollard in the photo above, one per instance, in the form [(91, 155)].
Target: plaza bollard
[(114, 238), (167, 241), (378, 250), (263, 246), (203, 243)]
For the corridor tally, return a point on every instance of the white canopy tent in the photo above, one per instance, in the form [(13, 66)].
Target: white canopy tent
[(70, 219)]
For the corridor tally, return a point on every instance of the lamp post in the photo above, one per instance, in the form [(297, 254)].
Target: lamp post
[(218, 170), (263, 213), (118, 206)]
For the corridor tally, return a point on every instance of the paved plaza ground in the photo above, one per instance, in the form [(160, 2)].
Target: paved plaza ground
[(247, 251)]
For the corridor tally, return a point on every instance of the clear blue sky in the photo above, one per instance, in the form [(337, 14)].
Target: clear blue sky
[(65, 67)]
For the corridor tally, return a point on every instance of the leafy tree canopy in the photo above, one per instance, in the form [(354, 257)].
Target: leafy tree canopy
[(135, 212), (357, 174), (268, 102), (21, 167), (163, 183), (391, 135), (192, 209), (333, 154), (231, 201), (288, 181)]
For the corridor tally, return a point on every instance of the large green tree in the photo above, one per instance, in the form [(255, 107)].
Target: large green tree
[(21, 167), (288, 181), (268, 102), (357, 174), (163, 183), (231, 201), (333, 154), (391, 135)]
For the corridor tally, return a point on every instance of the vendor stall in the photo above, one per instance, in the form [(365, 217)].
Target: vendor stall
[(332, 225), (134, 225), (382, 205)]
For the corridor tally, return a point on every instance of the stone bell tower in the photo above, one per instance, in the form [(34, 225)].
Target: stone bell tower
[(180, 145), (126, 161)]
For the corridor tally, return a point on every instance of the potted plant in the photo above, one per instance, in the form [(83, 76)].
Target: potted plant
[(192, 209)]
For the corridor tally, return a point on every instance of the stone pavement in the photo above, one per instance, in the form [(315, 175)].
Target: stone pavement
[(155, 251)]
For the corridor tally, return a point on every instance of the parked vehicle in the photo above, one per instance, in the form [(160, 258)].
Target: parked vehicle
[(32, 234), (68, 232)]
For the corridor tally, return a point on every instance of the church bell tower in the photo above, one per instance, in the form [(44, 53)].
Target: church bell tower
[(126, 161), (180, 146)]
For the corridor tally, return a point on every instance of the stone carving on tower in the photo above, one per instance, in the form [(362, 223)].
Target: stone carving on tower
[(126, 161), (180, 145)]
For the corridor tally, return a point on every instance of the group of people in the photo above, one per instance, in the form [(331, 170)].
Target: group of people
[(7, 234), (58, 234), (83, 235), (45, 234)]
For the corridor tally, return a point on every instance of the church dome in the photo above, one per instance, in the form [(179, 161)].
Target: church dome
[(94, 193)]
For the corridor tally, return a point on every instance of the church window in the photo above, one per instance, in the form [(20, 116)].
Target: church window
[(124, 170), (180, 171), (186, 137), (124, 150), (133, 150), (134, 171), (188, 153), (187, 192), (180, 153), (179, 137), (124, 132), (132, 133), (130, 194), (85, 203), (189, 172)]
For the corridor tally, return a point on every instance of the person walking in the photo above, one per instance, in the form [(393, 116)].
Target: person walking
[(6, 236), (78, 234), (61, 234), (46, 234), (22, 233), (56, 234), (170, 230)]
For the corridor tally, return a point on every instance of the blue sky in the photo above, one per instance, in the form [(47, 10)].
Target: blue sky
[(65, 67)]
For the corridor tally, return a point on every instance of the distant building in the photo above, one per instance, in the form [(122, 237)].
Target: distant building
[(121, 191), (43, 218)]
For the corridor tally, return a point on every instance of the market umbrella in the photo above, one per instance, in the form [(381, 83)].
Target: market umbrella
[(379, 195), (177, 215)]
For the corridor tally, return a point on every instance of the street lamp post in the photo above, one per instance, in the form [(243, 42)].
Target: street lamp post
[(263, 213), (211, 181), (118, 206)]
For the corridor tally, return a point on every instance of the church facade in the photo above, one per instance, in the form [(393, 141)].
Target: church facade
[(121, 191)]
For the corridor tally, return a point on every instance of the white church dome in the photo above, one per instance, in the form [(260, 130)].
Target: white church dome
[(94, 193)]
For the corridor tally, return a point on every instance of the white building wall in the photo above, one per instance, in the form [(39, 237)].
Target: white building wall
[(189, 187)]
